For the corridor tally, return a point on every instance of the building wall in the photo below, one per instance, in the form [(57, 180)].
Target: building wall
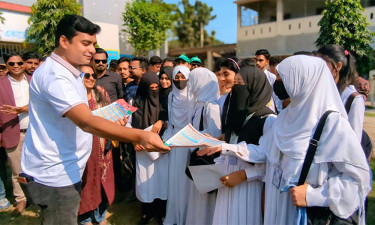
[(285, 36)]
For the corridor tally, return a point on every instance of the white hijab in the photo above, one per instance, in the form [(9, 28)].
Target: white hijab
[(312, 91), (203, 88), (178, 100)]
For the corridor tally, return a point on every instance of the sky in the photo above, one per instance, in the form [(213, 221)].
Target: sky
[(225, 23)]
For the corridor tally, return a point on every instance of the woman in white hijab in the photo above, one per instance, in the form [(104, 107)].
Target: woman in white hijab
[(203, 90), (179, 184), (339, 177)]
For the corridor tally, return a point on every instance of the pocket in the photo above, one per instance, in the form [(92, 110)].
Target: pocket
[(32, 192)]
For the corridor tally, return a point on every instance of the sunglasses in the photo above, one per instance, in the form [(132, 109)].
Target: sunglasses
[(97, 61), (87, 76), (195, 64), (14, 63), (133, 67)]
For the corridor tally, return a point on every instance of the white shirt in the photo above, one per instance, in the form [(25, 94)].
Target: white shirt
[(55, 151), (21, 97)]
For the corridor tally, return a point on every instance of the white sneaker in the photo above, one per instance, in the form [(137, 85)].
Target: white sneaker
[(4, 203)]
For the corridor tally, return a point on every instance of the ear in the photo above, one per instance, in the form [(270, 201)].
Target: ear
[(339, 66), (63, 41)]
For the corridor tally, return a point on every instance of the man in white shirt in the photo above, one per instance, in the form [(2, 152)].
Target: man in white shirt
[(59, 139), (262, 57), (14, 120)]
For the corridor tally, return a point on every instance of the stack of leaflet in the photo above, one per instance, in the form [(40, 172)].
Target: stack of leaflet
[(116, 110)]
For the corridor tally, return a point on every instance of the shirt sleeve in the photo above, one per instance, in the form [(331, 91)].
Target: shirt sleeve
[(61, 92), (249, 152), (356, 115), (343, 194)]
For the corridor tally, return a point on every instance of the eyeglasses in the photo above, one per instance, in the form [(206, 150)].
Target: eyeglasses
[(14, 63), (133, 67), (87, 76), (195, 64), (97, 61)]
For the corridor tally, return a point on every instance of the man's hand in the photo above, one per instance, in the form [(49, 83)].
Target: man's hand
[(298, 194), (209, 150), (152, 142), (233, 179), (8, 109), (122, 122), (157, 127)]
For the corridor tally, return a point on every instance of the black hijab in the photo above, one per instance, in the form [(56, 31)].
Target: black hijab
[(164, 92), (147, 102), (250, 97)]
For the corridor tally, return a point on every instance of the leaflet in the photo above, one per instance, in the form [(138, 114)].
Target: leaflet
[(207, 177), (190, 137), (116, 110)]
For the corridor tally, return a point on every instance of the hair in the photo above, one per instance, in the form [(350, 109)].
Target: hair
[(30, 55), (217, 64), (230, 63), (11, 54), (69, 25), (154, 60), (304, 53), (274, 60), (169, 59), (247, 62), (143, 62), (123, 59), (334, 54), (263, 52), (113, 63), (100, 50)]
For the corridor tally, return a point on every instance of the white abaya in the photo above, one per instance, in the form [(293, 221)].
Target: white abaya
[(179, 184), (356, 113), (203, 90)]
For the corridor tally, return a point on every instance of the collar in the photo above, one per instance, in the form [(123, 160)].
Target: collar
[(65, 64), (14, 80)]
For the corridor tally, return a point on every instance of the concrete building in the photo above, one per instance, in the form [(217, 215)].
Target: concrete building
[(283, 26)]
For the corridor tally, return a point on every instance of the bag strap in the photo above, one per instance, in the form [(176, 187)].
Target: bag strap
[(201, 128), (350, 100), (312, 148)]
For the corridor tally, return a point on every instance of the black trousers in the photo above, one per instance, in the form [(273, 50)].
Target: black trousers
[(59, 205)]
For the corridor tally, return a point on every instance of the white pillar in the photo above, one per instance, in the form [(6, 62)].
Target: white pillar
[(279, 16)]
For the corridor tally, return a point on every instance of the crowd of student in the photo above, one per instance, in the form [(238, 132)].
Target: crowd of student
[(293, 147)]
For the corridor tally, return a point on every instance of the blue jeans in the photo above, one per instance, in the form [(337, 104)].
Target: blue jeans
[(2, 189), (98, 213)]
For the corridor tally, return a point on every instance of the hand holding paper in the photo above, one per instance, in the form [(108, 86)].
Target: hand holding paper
[(190, 137)]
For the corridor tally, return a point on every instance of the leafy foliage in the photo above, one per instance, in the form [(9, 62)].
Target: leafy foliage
[(188, 26), (45, 15), (343, 23), (147, 23)]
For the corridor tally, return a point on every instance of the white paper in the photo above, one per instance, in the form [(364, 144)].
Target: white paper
[(152, 155), (190, 137), (207, 177)]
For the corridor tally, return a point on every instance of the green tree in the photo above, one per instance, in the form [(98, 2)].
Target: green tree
[(189, 27), (343, 23), (147, 23), (45, 15)]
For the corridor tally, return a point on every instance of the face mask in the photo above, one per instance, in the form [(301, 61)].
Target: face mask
[(180, 84), (154, 93), (279, 89)]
